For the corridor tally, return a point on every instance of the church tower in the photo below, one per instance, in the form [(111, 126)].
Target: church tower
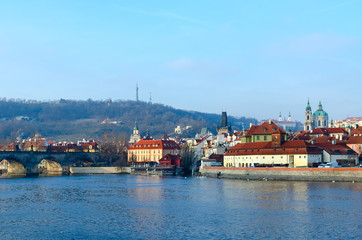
[(224, 127), (308, 124), (135, 137)]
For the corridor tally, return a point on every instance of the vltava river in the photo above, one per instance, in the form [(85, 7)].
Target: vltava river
[(141, 207)]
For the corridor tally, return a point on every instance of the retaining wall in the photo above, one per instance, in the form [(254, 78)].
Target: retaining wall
[(99, 170), (286, 174)]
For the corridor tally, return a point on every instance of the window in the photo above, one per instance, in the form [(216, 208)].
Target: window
[(307, 117), (257, 137), (264, 137)]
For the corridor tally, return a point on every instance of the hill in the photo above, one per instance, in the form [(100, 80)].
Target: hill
[(74, 119)]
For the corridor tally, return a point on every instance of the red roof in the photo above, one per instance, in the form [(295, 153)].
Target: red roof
[(353, 140), (336, 149), (266, 148), (357, 131), (264, 129), (155, 144)]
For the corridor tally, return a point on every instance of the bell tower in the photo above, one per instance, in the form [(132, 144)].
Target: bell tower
[(308, 118)]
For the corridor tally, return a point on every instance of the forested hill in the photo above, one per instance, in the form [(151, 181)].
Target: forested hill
[(74, 120)]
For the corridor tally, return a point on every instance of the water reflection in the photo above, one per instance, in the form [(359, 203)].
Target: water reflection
[(144, 207)]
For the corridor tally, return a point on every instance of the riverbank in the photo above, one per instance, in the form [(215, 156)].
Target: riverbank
[(285, 174), (100, 170)]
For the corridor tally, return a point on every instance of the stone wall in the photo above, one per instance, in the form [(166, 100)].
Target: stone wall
[(99, 170), (286, 174)]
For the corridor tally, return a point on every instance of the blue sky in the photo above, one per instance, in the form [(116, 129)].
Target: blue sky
[(251, 58)]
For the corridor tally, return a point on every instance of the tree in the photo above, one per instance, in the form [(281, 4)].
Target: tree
[(189, 160), (113, 149)]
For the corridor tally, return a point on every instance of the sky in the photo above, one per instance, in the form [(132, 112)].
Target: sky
[(250, 58)]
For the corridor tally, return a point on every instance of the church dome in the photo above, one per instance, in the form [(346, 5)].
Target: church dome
[(320, 111)]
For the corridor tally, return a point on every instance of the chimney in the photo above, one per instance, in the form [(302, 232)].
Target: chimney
[(313, 142), (334, 142), (269, 121), (251, 124)]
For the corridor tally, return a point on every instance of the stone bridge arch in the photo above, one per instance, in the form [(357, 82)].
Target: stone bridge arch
[(11, 166), (49, 166)]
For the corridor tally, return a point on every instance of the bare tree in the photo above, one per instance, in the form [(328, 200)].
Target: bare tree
[(189, 159), (113, 149)]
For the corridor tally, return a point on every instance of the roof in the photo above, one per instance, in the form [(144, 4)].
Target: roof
[(266, 148), (325, 131), (155, 144), (353, 140), (265, 128), (357, 131), (336, 149)]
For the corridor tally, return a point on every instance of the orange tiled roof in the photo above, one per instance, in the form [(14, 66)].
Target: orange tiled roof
[(154, 144), (265, 128)]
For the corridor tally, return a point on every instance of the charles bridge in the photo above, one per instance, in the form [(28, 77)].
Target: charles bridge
[(31, 159)]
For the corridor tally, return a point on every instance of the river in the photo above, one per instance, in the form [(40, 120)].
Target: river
[(150, 207)]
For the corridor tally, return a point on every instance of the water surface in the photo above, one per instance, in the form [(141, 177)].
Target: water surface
[(146, 207)]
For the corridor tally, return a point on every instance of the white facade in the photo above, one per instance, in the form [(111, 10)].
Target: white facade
[(292, 160)]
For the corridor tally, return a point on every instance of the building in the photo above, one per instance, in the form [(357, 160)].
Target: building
[(337, 133), (170, 160), (296, 153), (148, 150), (357, 131), (355, 143), (225, 126), (319, 119), (349, 123), (135, 136), (262, 133), (340, 153), (285, 124)]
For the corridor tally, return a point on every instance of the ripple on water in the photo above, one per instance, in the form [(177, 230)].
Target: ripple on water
[(140, 207)]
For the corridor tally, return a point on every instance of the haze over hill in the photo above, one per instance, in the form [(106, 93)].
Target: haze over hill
[(75, 119)]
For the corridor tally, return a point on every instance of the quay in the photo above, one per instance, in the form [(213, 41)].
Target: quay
[(285, 174)]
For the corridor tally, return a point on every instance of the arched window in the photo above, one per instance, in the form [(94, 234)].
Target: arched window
[(308, 117), (319, 123)]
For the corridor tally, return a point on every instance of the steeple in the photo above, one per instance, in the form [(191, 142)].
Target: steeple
[(320, 108), (280, 117), (289, 117), (308, 108)]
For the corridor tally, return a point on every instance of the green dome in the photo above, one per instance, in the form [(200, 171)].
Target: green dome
[(320, 113)]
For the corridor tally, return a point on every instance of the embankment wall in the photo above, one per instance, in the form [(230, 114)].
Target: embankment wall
[(99, 170), (286, 174)]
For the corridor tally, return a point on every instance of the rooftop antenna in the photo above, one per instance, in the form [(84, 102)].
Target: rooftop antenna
[(150, 97)]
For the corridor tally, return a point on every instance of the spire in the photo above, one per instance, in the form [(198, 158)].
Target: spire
[(289, 117), (320, 105), (308, 108), (280, 116), (135, 126)]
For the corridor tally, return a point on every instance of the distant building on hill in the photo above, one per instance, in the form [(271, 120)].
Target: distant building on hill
[(349, 123), (286, 124)]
